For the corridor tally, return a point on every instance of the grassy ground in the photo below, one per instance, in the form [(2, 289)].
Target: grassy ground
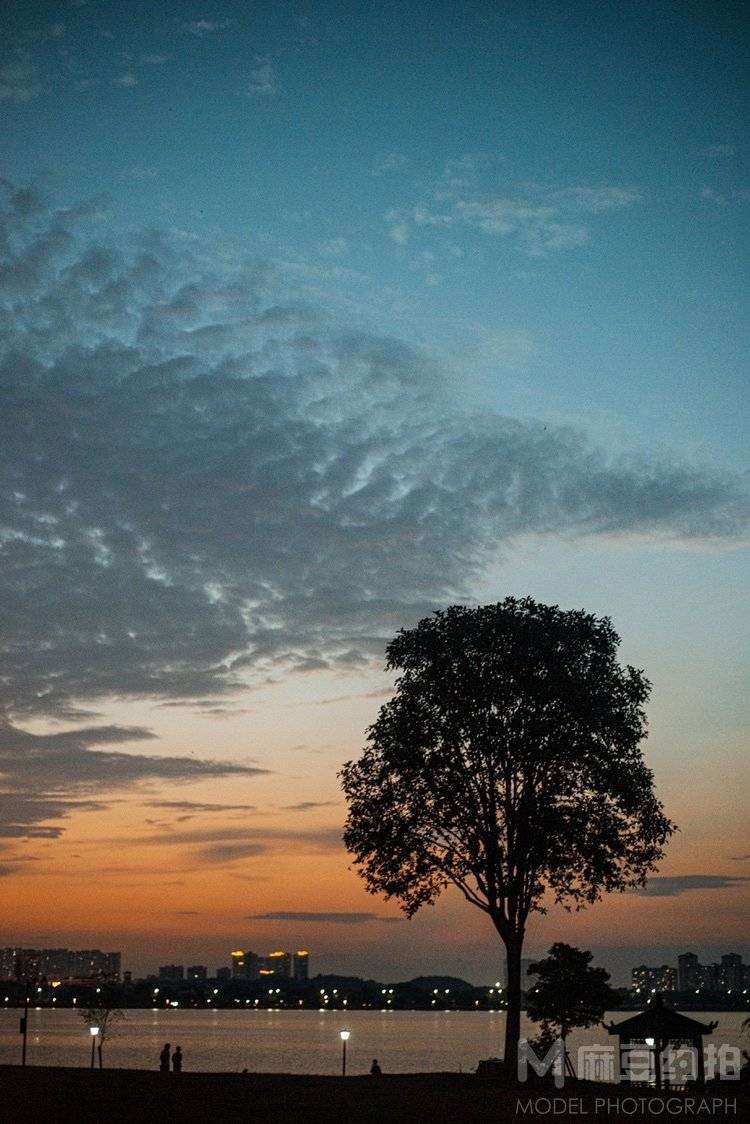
[(58, 1095)]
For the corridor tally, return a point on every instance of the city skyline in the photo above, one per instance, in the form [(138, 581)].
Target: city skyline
[(316, 320), (727, 974)]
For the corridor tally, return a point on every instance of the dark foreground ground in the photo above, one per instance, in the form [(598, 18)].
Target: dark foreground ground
[(36, 1094)]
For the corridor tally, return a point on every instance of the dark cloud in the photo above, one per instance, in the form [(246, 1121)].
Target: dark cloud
[(195, 806), (333, 918), (39, 771), (308, 805), (669, 886), (262, 839), (218, 853), (204, 482)]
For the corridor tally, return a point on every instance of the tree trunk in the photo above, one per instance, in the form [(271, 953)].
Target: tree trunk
[(513, 947)]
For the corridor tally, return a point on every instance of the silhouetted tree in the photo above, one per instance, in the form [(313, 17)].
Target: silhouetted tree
[(568, 992), (507, 763), (104, 1014)]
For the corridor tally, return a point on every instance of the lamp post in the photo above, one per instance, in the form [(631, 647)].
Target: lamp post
[(25, 1019), (93, 1031), (344, 1036)]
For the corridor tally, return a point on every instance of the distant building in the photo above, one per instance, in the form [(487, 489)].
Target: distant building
[(197, 972), (278, 964), (688, 968), (223, 974), (730, 975), (60, 964), (246, 965), (647, 980), (301, 965), (731, 972), (172, 973)]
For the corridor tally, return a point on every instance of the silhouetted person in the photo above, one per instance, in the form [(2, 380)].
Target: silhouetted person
[(375, 1069), (177, 1060), (164, 1058)]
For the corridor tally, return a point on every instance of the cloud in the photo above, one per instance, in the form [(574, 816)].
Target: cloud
[(669, 886), (208, 481), (334, 248), (263, 81), (711, 195), (195, 806), (330, 918), (390, 162), (203, 27), (125, 80), (19, 82), (308, 805), (219, 853), (538, 219), (153, 60), (714, 150), (41, 771), (739, 858)]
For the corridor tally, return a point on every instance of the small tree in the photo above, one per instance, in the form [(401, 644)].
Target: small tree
[(104, 1014), (568, 993), (508, 763)]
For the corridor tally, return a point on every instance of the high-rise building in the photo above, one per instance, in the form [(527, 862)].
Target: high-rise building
[(731, 972), (246, 965), (729, 975), (301, 964), (197, 972), (223, 974), (60, 964), (687, 971), (645, 979), (173, 973), (278, 964)]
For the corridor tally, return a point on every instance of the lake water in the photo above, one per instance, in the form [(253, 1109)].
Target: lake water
[(293, 1041)]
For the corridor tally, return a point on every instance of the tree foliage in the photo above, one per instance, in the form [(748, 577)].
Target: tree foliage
[(568, 992), (104, 1015), (508, 763)]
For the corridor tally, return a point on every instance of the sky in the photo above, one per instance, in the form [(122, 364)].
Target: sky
[(315, 317)]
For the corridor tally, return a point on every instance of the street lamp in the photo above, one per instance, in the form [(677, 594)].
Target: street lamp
[(344, 1036), (93, 1031)]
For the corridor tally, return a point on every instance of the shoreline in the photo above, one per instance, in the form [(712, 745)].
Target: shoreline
[(62, 1094)]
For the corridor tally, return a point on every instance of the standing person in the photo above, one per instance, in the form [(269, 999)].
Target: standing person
[(164, 1058), (375, 1070), (177, 1060)]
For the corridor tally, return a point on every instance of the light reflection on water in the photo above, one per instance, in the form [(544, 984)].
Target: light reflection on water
[(292, 1041)]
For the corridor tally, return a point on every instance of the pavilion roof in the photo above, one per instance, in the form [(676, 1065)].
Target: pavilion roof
[(660, 1021)]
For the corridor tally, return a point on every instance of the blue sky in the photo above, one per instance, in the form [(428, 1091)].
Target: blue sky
[(477, 269), (611, 137)]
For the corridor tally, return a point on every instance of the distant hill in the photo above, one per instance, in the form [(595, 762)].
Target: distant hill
[(429, 983)]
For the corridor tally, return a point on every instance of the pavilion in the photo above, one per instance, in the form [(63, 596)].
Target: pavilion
[(656, 1029)]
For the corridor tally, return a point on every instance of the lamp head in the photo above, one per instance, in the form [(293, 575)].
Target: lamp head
[(344, 1035), (93, 1031)]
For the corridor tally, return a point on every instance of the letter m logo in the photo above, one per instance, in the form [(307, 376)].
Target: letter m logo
[(553, 1060)]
